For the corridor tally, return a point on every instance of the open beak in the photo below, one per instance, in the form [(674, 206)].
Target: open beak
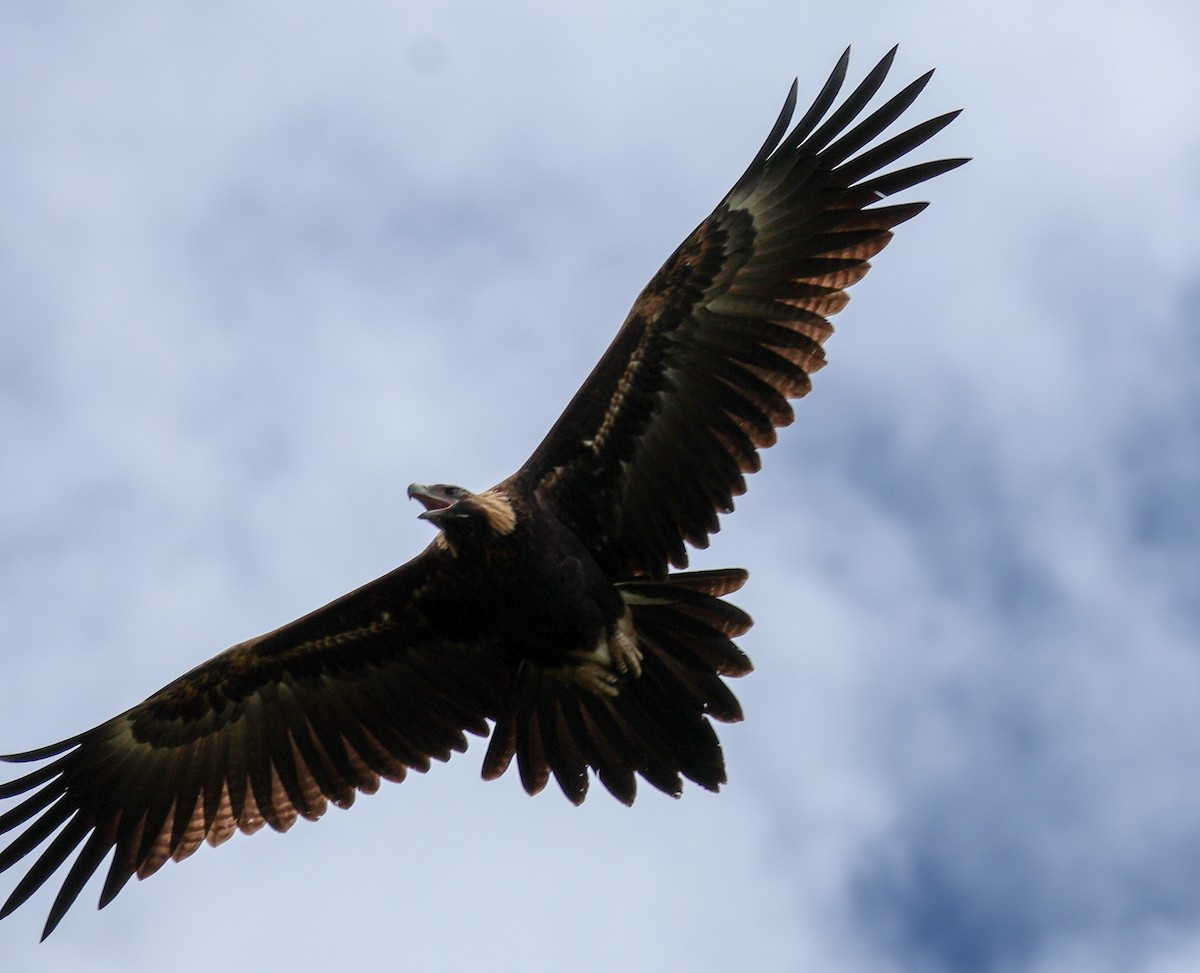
[(435, 502)]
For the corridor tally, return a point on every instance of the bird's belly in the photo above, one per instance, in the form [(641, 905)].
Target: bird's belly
[(550, 632), (550, 616)]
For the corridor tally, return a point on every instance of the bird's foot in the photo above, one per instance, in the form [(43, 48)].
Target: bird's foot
[(595, 677), (600, 670), (626, 656)]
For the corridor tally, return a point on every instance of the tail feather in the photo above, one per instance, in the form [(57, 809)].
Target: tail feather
[(657, 725), (723, 581), (564, 747), (675, 626), (702, 682)]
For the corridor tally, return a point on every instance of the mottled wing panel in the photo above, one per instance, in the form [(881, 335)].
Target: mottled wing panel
[(657, 442), (267, 732)]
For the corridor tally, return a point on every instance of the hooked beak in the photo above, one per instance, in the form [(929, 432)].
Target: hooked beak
[(436, 503)]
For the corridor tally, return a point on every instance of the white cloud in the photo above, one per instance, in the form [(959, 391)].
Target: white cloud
[(264, 264)]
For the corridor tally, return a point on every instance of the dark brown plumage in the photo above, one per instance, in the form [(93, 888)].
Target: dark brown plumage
[(544, 605)]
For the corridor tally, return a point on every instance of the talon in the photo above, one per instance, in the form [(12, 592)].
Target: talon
[(627, 657), (593, 676)]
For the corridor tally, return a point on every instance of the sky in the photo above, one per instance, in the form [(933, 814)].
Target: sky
[(264, 264)]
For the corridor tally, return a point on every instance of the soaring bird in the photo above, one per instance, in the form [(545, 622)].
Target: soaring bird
[(545, 610)]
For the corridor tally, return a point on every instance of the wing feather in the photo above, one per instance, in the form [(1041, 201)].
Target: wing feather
[(855, 102), (657, 441), (265, 733)]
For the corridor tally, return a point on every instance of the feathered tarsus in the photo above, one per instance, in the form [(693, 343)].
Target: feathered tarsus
[(544, 606)]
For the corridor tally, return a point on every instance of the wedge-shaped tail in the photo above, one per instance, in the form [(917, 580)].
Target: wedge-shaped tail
[(655, 725)]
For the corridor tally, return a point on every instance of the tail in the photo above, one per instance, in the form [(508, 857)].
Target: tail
[(655, 724)]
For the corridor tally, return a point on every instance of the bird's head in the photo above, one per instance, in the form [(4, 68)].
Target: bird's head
[(459, 513)]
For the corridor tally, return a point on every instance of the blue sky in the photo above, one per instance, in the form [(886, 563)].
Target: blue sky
[(264, 264)]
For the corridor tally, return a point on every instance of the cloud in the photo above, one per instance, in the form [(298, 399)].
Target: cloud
[(263, 265)]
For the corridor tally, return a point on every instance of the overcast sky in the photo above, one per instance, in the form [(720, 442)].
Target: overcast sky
[(264, 264)]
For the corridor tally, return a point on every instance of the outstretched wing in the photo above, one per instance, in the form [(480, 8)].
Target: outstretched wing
[(658, 439), (268, 731)]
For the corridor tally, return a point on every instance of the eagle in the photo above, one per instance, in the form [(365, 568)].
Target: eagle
[(553, 611)]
